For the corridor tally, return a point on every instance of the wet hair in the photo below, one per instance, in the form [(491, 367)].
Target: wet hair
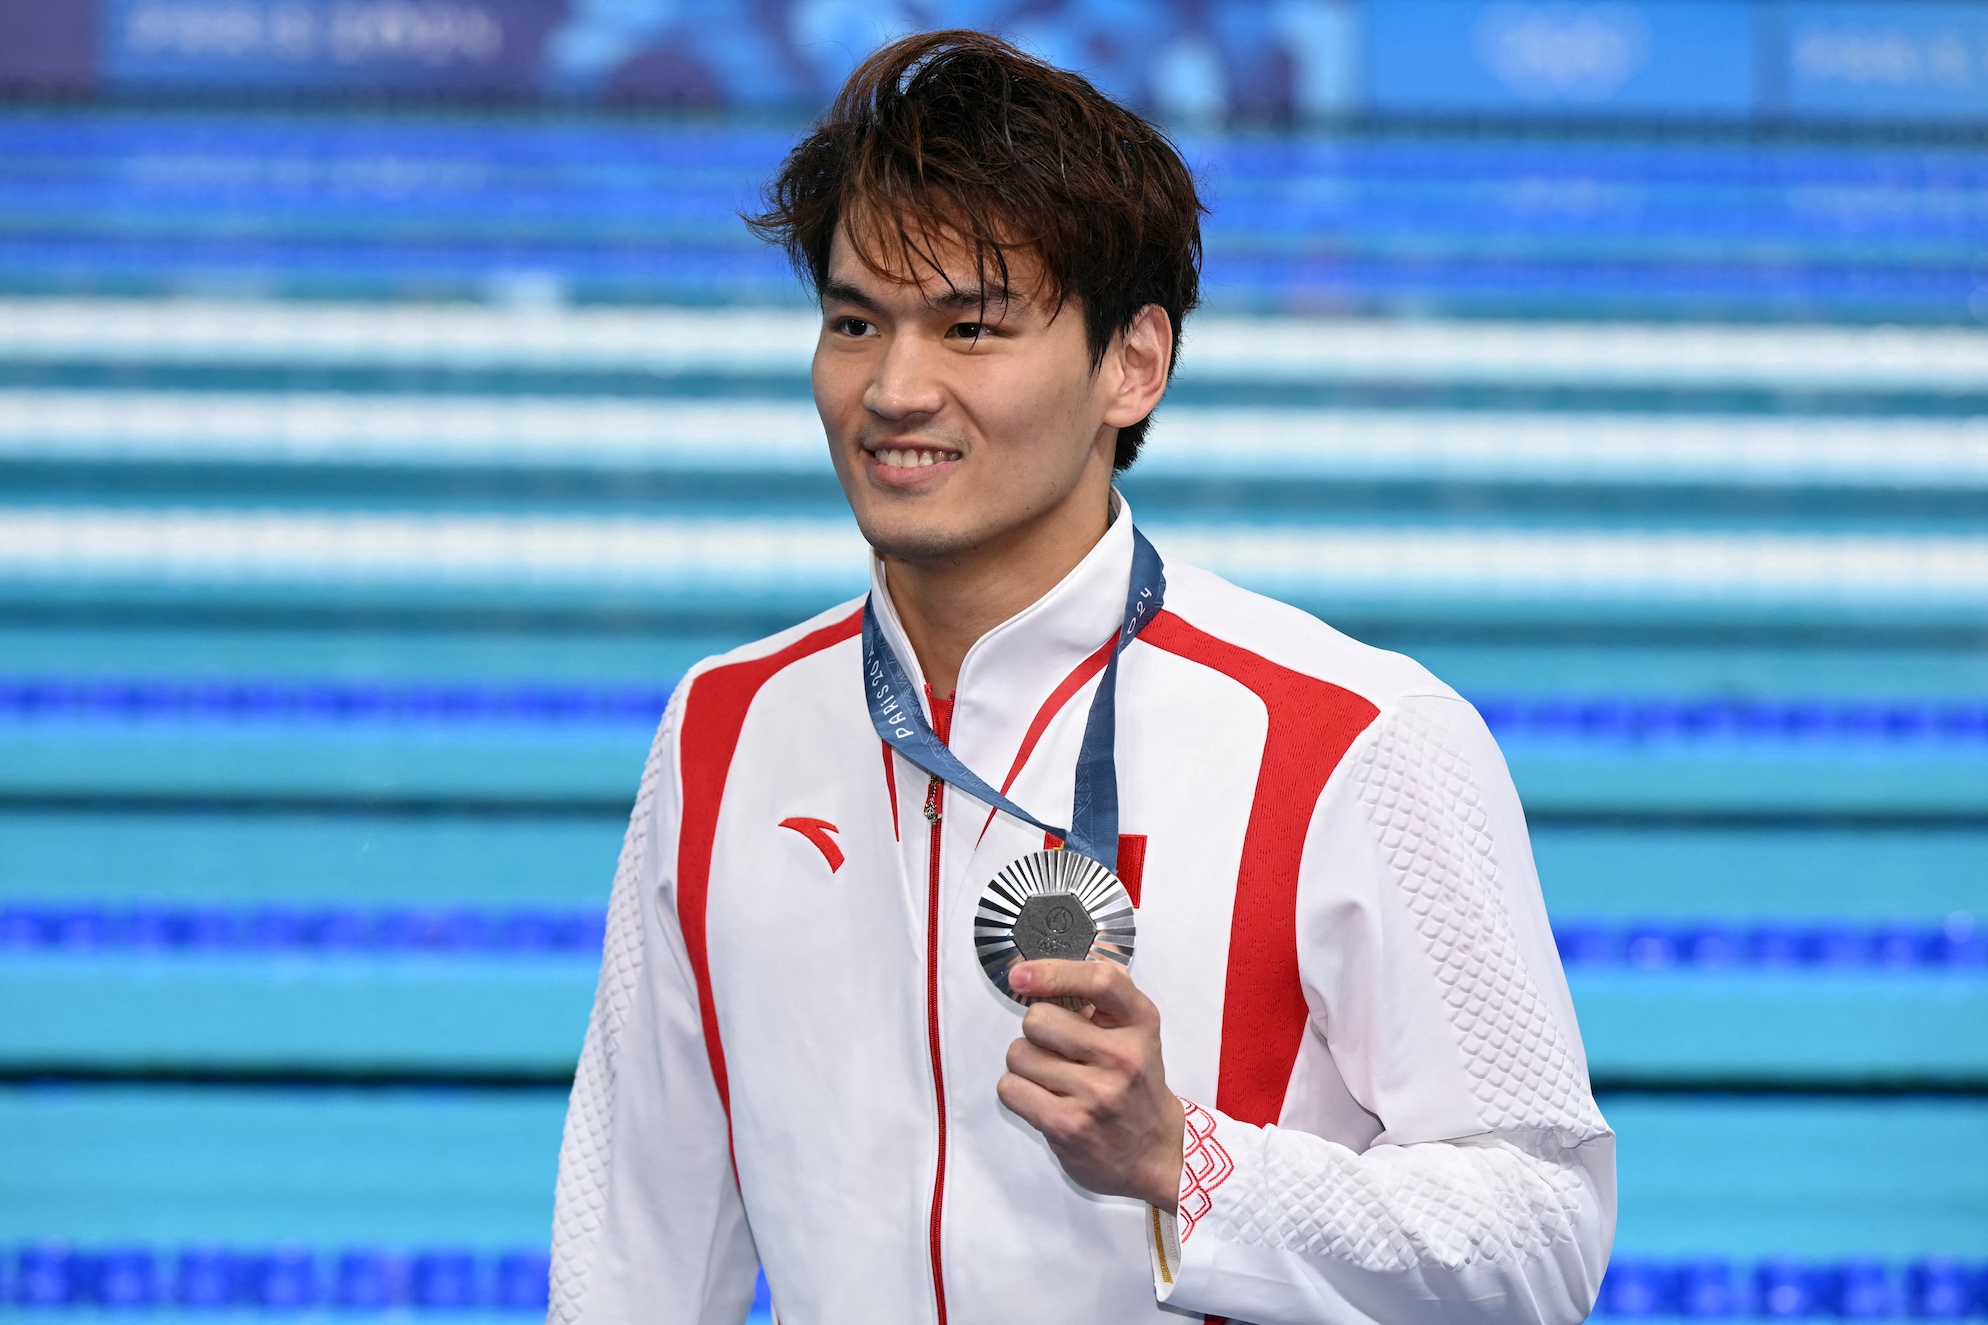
[(959, 136)]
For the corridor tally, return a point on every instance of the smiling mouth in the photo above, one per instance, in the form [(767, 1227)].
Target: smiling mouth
[(911, 457)]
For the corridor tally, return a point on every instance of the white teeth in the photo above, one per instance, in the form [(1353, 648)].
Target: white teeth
[(912, 459)]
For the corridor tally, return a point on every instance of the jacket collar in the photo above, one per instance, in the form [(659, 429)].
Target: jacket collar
[(1013, 668)]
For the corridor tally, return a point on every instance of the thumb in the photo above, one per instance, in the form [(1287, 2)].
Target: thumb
[(1105, 985)]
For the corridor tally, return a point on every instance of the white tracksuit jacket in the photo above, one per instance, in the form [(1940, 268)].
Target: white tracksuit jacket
[(793, 1050)]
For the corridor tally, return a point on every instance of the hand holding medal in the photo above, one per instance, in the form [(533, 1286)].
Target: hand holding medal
[(1095, 1086)]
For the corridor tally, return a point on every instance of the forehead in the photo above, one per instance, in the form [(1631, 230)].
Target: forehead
[(938, 267)]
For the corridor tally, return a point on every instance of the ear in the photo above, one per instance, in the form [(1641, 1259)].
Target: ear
[(1138, 356)]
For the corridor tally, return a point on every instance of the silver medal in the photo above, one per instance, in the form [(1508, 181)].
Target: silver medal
[(1051, 904)]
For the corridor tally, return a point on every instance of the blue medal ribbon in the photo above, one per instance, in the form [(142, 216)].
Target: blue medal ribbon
[(900, 721)]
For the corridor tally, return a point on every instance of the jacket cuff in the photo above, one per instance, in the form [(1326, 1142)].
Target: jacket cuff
[(1204, 1166)]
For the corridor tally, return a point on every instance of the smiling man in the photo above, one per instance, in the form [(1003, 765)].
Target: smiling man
[(1321, 1065)]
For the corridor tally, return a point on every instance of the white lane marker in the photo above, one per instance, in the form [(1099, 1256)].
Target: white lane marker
[(330, 427), (1215, 348), (1188, 441), (771, 555)]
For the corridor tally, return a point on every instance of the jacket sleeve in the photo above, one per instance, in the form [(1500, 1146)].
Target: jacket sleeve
[(1473, 1179), (648, 1224)]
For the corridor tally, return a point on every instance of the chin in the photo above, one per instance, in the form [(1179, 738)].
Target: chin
[(919, 539)]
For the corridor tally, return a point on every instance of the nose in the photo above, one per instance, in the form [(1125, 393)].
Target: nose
[(904, 384)]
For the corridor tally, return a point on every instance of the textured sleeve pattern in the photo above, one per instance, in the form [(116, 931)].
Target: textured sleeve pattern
[(1392, 1208), (1434, 834), (586, 1151), (1489, 1194), (648, 1222)]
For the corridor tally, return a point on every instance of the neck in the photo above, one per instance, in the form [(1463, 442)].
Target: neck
[(945, 605)]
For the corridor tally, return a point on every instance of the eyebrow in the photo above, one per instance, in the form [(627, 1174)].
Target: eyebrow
[(975, 297), (842, 292), (958, 299)]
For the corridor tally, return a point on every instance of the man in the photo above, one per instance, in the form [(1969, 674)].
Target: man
[(1341, 1080)]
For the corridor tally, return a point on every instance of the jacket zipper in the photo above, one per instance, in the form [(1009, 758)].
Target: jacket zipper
[(935, 799)]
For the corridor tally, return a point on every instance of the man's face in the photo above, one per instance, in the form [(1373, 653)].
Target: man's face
[(955, 421)]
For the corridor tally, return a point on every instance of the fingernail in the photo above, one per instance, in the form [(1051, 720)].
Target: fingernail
[(1018, 978)]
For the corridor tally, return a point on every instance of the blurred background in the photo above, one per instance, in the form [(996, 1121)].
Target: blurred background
[(392, 407)]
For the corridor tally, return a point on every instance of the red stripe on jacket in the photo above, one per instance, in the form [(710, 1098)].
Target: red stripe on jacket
[(1311, 725), (714, 714)]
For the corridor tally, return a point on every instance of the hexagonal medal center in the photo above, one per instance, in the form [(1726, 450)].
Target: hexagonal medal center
[(1054, 925)]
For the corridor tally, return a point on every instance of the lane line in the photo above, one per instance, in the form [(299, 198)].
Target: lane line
[(763, 554), (1216, 348), (1188, 441)]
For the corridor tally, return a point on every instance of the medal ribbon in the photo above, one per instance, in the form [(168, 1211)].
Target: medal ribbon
[(900, 721)]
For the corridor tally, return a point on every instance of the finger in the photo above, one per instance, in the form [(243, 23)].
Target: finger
[(1065, 1033), (1048, 1113), (1105, 985), (1053, 978), (1053, 1072)]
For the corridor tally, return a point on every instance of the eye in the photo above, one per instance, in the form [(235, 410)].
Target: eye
[(970, 330), (852, 326)]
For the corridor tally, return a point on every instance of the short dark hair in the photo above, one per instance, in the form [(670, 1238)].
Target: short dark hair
[(959, 132)]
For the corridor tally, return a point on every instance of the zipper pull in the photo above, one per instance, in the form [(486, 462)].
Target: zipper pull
[(932, 801)]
